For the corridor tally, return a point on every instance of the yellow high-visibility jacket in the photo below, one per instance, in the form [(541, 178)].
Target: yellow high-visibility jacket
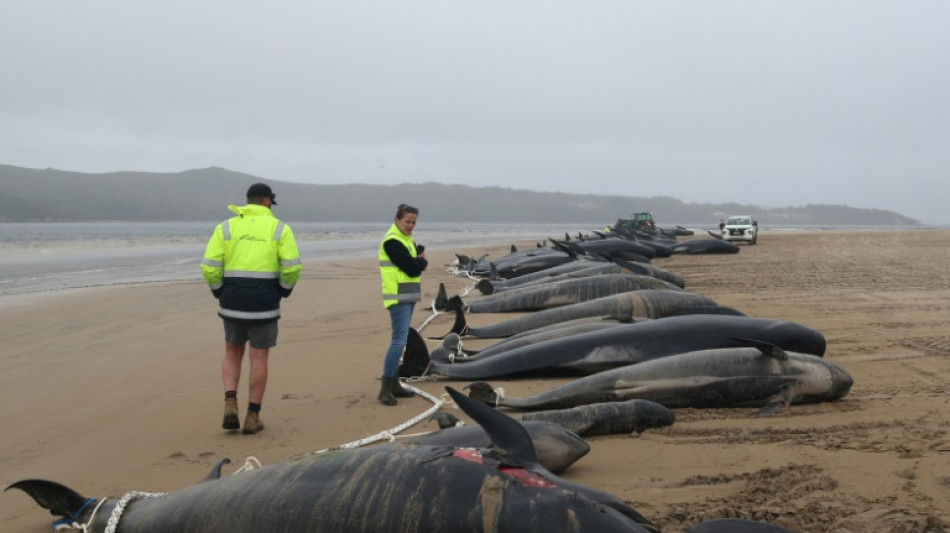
[(250, 263)]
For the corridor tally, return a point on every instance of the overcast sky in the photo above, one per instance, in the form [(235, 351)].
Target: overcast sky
[(770, 103)]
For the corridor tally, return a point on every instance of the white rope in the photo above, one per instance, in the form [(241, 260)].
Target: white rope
[(435, 313), (389, 434), (468, 290), (120, 507), (454, 270), (249, 464), (422, 433), (499, 394)]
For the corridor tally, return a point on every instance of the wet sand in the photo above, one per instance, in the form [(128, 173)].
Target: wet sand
[(114, 389)]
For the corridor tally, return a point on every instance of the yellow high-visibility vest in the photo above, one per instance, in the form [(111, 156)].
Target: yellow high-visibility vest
[(398, 286)]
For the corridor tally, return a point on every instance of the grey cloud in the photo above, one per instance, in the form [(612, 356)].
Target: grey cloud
[(768, 103)]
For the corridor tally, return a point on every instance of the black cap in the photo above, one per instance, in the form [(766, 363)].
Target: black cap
[(261, 190)]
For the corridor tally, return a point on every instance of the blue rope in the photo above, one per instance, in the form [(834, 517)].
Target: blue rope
[(75, 517)]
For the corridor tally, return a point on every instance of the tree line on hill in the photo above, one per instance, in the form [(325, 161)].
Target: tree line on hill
[(30, 195)]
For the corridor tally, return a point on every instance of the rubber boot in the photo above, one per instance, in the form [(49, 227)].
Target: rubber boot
[(399, 391), (386, 392)]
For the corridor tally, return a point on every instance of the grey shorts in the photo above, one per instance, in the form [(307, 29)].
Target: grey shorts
[(261, 335)]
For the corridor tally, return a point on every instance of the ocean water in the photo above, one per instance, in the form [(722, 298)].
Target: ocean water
[(43, 257)]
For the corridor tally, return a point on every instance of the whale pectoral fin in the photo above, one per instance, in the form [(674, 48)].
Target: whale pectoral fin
[(768, 349), (216, 471), (59, 499), (775, 405)]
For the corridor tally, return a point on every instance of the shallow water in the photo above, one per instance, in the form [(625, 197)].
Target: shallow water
[(50, 256), (41, 257)]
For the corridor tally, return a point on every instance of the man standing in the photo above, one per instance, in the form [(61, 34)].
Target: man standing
[(250, 263)]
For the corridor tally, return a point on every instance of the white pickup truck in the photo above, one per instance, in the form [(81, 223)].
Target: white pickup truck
[(741, 228)]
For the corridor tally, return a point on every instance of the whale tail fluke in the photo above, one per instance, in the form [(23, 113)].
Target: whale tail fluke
[(483, 392), (450, 351), (465, 263), (59, 499), (446, 420)]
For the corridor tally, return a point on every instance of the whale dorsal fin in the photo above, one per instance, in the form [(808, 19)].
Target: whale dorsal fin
[(460, 326), (506, 433), (493, 271), (564, 247), (216, 471), (441, 298), (416, 359)]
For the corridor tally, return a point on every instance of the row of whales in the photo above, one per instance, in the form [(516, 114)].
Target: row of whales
[(497, 476), (734, 368)]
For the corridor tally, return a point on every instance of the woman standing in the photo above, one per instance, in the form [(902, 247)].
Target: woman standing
[(401, 263)]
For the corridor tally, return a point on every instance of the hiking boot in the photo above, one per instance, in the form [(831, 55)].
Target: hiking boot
[(231, 420), (399, 391), (252, 423)]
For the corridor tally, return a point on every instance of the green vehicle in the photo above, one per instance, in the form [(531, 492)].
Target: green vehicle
[(636, 221)]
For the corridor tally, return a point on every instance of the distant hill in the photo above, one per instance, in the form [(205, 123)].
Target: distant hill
[(197, 195)]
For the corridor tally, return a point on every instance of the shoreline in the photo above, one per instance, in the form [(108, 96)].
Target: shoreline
[(111, 389)]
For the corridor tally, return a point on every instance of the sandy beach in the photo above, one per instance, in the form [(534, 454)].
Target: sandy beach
[(114, 389)]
